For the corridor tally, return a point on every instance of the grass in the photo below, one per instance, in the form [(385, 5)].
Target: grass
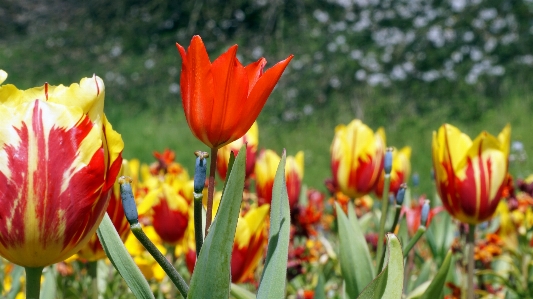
[(147, 131)]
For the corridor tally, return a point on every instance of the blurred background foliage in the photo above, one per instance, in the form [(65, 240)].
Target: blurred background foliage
[(406, 65)]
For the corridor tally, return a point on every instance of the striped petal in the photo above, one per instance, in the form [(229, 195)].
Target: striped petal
[(52, 171)]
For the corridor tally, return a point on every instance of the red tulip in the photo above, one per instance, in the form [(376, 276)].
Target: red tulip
[(223, 99)]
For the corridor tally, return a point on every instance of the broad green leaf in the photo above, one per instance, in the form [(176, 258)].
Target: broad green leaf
[(212, 276), (434, 290), (239, 292), (354, 258), (121, 259), (320, 289), (48, 287), (389, 283), (419, 290), (273, 279)]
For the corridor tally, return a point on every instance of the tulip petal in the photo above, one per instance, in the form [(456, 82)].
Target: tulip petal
[(255, 71), (259, 95), (51, 174), (197, 88), (3, 76)]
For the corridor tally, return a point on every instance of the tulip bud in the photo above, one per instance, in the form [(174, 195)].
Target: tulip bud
[(425, 214), (128, 202), (200, 171), (401, 194), (388, 161)]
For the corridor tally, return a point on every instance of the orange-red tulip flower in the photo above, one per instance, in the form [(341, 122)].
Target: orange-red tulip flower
[(470, 175), (59, 158), (294, 174), (93, 251), (357, 158), (223, 99), (251, 138), (401, 169)]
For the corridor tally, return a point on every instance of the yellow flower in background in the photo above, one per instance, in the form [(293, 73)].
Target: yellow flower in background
[(59, 158), (251, 138), (249, 245), (146, 263), (401, 170), (357, 158), (470, 175), (265, 172), (294, 175)]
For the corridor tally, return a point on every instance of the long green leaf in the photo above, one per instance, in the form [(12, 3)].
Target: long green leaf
[(121, 259), (434, 290), (48, 288), (320, 289), (354, 257), (273, 279), (17, 272), (389, 283), (212, 276), (239, 292)]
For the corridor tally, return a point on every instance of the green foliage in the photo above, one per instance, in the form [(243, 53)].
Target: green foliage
[(389, 283), (121, 259), (354, 257), (212, 276), (273, 278), (436, 287)]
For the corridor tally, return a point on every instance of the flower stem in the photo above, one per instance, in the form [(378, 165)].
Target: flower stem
[(421, 230), (174, 276), (470, 242), (380, 254), (211, 189), (92, 269), (33, 282), (198, 236)]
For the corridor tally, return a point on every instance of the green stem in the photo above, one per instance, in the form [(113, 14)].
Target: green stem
[(421, 230), (198, 236), (396, 218), (380, 254), (174, 276), (470, 242), (33, 282), (211, 189), (92, 269)]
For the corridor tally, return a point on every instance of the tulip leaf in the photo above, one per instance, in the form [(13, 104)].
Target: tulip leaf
[(274, 275), (354, 257), (121, 259), (320, 289), (48, 288), (434, 290), (239, 292), (389, 283), (212, 276)]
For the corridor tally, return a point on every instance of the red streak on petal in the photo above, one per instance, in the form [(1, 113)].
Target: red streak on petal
[(170, 225), (46, 90), (55, 155)]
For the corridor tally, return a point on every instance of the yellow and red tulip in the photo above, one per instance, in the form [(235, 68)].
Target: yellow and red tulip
[(470, 175), (169, 213), (294, 174), (265, 172), (59, 158), (401, 169), (357, 158), (93, 251), (250, 241), (249, 244), (222, 99), (251, 138)]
